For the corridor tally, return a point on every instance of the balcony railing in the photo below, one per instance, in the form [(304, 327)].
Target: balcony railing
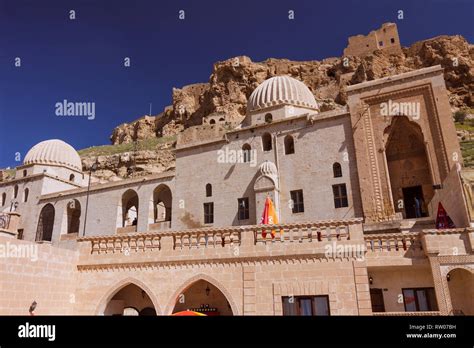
[(124, 243), (213, 237), (392, 242), (304, 232), (4, 221)]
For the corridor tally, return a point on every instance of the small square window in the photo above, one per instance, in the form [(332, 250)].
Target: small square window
[(392, 40), (380, 43)]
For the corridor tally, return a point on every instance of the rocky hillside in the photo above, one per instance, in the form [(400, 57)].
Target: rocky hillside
[(233, 80)]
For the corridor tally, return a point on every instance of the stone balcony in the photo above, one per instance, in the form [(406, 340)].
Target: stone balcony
[(209, 244), (409, 248)]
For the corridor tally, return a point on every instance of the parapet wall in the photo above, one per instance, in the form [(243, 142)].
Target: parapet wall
[(200, 134)]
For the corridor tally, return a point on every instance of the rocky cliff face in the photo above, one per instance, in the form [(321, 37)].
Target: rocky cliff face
[(136, 163), (233, 80)]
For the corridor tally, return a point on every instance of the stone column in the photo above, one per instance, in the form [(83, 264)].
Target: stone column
[(249, 289), (361, 279), (442, 296)]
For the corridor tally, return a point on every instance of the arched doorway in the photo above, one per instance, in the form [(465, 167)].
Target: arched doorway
[(202, 296), (408, 167), (130, 300), (44, 231), (461, 290), (73, 212)]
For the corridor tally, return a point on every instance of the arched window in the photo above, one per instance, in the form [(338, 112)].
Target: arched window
[(222, 120), (208, 190), (337, 170), (15, 191), (44, 232), (162, 204), (246, 151), (212, 121), (25, 195), (268, 118), (4, 198), (129, 208), (289, 145), (267, 142), (24, 172), (71, 177)]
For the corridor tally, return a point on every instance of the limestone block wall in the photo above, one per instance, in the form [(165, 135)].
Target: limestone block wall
[(393, 279), (36, 272), (104, 211), (317, 147), (254, 288), (163, 284), (448, 242)]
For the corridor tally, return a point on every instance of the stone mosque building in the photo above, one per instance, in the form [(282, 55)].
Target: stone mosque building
[(356, 192)]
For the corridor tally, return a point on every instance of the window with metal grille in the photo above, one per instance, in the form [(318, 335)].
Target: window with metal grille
[(209, 213), (340, 195), (244, 212)]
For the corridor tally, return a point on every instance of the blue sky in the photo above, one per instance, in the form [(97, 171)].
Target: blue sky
[(82, 59)]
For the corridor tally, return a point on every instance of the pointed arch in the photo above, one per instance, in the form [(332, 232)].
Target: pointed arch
[(119, 286), (44, 229), (409, 169), (191, 281)]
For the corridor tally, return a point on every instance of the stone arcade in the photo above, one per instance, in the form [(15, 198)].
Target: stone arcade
[(343, 183)]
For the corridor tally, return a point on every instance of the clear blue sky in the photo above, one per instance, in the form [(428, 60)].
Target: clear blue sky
[(82, 59)]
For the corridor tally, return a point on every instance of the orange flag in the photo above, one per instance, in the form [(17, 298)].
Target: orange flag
[(269, 216)]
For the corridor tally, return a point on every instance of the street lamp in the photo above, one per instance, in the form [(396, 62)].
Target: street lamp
[(92, 168)]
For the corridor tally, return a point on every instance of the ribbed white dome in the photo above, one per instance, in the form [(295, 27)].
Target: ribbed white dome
[(268, 168), (281, 90), (54, 152)]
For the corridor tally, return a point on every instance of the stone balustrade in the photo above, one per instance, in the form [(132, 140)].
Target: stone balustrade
[(393, 242), (305, 232), (124, 243), (9, 223), (226, 237), (4, 220)]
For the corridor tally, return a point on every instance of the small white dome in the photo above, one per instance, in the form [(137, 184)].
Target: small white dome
[(54, 152), (281, 90), (268, 168)]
